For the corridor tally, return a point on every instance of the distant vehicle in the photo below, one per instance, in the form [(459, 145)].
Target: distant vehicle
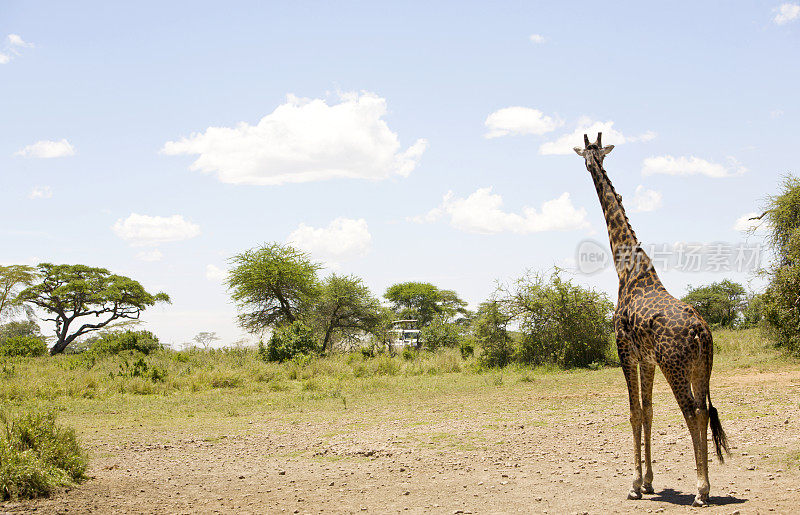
[(404, 333)]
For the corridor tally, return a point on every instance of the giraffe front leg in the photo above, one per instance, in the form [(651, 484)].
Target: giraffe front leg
[(631, 377), (647, 374)]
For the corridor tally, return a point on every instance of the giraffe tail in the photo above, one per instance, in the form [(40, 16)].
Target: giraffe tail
[(717, 433)]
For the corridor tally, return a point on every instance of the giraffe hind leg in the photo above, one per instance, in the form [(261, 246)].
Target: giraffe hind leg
[(682, 388), (700, 379)]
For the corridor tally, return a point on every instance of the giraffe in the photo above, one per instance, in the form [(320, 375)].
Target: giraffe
[(654, 328)]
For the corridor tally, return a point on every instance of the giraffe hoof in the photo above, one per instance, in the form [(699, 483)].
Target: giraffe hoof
[(634, 495), (648, 489), (699, 502)]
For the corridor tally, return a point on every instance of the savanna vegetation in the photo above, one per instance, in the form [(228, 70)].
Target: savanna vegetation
[(325, 338)]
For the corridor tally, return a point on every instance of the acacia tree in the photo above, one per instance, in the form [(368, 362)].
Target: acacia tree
[(13, 278), (272, 285), (71, 292), (424, 302), (782, 297), (206, 339), (345, 306)]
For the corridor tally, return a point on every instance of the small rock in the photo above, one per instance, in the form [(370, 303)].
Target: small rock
[(281, 472)]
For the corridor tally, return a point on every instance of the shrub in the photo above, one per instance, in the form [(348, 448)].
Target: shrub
[(140, 368), (559, 322), (497, 349), (23, 346), (25, 328), (440, 333), (467, 349), (114, 342), (409, 353), (752, 312), (718, 303), (289, 341), (37, 456)]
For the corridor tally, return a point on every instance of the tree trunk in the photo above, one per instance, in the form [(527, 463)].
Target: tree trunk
[(328, 333), (63, 340), (60, 345)]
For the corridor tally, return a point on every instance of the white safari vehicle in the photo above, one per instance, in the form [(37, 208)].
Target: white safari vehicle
[(404, 333)]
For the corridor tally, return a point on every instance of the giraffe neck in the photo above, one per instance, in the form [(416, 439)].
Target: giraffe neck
[(629, 258)]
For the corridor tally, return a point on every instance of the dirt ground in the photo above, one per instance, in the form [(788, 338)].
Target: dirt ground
[(531, 447)]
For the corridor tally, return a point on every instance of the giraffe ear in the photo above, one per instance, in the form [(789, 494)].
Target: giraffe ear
[(580, 151), (607, 150)]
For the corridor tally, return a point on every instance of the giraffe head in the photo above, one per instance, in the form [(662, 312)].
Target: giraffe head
[(594, 153)]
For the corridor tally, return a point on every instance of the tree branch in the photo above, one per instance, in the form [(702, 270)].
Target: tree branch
[(762, 215)]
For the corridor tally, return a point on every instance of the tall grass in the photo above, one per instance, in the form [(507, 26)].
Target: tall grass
[(46, 381), (747, 348), (37, 456)]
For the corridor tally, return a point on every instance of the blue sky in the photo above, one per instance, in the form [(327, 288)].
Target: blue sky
[(342, 127)]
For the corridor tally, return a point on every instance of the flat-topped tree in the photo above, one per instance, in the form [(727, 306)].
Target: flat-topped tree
[(654, 328), (87, 298)]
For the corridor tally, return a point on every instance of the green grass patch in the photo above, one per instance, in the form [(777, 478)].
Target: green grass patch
[(37, 456)]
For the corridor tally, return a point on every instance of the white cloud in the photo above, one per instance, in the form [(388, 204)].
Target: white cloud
[(482, 213), (40, 192), (215, 273), (343, 238), (47, 149), (537, 39), (586, 125), (517, 120), (15, 40), (150, 255), (785, 13), (12, 48), (744, 224), (143, 230), (645, 200), (304, 140), (669, 165)]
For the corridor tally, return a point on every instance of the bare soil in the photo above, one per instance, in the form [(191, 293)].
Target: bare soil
[(531, 447)]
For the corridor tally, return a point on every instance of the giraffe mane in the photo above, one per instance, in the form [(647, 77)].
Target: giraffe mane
[(618, 197)]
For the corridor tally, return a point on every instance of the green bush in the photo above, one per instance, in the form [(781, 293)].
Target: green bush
[(564, 324), (289, 341), (140, 368), (114, 342), (753, 312), (720, 304), (24, 328), (23, 346), (489, 327), (37, 456), (440, 333), (467, 349), (559, 323), (21, 339)]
